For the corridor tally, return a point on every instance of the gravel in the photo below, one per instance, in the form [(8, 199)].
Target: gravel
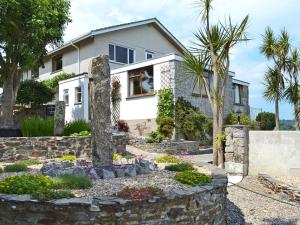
[(246, 207), (289, 180)]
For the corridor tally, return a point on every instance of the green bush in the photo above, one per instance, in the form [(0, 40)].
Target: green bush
[(29, 162), (167, 159), (266, 120), (47, 194), (165, 126), (154, 137), (192, 178), (81, 134), (34, 92), (15, 168), (1, 170), (165, 106), (192, 123), (68, 158), (180, 167), (53, 82), (76, 127), (70, 181), (37, 127), (232, 119)]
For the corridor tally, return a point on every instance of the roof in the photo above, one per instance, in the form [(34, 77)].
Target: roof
[(236, 81), (100, 31)]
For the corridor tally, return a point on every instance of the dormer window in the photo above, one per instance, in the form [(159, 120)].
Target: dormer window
[(57, 63), (121, 54)]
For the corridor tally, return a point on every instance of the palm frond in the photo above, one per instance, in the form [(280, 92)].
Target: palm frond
[(274, 84), (205, 8), (269, 42)]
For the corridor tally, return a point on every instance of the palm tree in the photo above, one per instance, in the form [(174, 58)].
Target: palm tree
[(278, 50), (211, 52)]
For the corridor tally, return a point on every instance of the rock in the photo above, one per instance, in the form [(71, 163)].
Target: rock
[(130, 171), (107, 174), (78, 171), (120, 172), (92, 174)]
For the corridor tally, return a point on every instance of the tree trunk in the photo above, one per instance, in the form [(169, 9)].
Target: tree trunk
[(215, 138), (277, 125), (8, 101)]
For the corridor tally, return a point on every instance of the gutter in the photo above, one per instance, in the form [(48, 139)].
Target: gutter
[(78, 55)]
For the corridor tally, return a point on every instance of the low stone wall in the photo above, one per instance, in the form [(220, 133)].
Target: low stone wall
[(200, 205), (168, 147), (16, 148)]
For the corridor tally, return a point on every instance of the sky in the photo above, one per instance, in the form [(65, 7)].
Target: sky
[(181, 17)]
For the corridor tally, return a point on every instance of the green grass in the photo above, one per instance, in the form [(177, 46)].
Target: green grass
[(76, 127), (68, 158), (167, 159), (37, 127), (29, 162), (70, 181), (192, 178), (15, 168), (179, 167)]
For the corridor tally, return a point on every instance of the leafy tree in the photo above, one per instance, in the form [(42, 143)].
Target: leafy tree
[(53, 82), (27, 27), (278, 49), (266, 120), (34, 92), (211, 52)]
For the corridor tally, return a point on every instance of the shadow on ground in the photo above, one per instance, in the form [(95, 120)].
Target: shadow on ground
[(234, 215), (279, 221)]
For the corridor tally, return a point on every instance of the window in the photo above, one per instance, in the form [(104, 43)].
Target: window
[(57, 63), (149, 55), (66, 96), (237, 93), (141, 81), (121, 54), (78, 95)]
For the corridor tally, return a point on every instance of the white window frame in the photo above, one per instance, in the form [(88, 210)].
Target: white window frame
[(78, 101), (238, 87), (115, 54), (66, 93), (147, 52)]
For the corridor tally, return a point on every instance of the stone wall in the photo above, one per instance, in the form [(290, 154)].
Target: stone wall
[(168, 147), (236, 150), (276, 153), (16, 148), (200, 205)]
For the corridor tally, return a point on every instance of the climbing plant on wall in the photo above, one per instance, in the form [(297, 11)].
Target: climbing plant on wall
[(165, 103)]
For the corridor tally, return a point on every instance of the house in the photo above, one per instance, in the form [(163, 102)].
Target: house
[(144, 57)]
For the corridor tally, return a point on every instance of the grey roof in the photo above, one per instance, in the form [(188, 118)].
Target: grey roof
[(120, 27)]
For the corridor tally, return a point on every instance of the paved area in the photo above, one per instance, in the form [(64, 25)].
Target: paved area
[(247, 207), (188, 158)]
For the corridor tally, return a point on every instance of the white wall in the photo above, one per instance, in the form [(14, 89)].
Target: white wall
[(75, 111), (274, 153)]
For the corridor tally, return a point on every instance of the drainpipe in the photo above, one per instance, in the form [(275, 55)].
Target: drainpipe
[(78, 55)]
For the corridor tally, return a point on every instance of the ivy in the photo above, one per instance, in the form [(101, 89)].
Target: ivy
[(165, 103)]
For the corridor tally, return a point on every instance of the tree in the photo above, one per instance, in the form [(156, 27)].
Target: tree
[(27, 27), (211, 52), (277, 49), (266, 120), (34, 93)]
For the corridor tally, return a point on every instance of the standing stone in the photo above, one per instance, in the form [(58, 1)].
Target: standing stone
[(59, 118), (100, 113)]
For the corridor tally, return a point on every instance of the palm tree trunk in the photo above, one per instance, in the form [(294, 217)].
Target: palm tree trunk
[(277, 124), (215, 138)]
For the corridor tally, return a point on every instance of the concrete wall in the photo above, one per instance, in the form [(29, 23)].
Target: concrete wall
[(274, 152)]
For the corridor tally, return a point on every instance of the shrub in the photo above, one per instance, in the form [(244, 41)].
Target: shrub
[(29, 162), (245, 120), (68, 158), (192, 178), (34, 92), (154, 137), (116, 156), (76, 127), (180, 167), (266, 120), (122, 126), (1, 170), (15, 168), (165, 104), (37, 127), (81, 134), (192, 123), (53, 82), (46, 194), (165, 126), (70, 181), (139, 194), (167, 159)]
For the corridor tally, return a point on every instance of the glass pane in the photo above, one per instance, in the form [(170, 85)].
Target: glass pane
[(135, 88), (149, 55), (131, 56), (121, 54), (237, 97), (111, 52), (147, 81)]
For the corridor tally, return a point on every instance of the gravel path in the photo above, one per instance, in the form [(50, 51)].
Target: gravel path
[(246, 207)]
